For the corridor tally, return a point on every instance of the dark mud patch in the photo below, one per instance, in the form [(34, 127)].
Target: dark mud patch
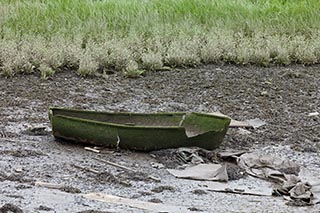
[(21, 187), (155, 200), (10, 208), (144, 193), (199, 192), (44, 208), (70, 189), (194, 209), (160, 189), (15, 196)]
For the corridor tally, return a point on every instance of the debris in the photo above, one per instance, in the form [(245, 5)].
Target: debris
[(126, 168), (233, 123), (266, 166), (189, 155), (245, 186), (264, 93), (157, 165), (209, 171), (313, 114), (86, 169), (242, 131), (100, 150), (230, 155), (18, 169), (154, 178), (252, 123), (239, 124), (92, 149), (256, 123), (154, 207), (63, 188), (294, 183), (301, 191), (307, 177)]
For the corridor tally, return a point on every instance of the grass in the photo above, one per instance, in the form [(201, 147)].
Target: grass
[(91, 36)]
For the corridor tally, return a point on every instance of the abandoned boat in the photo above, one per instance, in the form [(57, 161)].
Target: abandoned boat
[(139, 131)]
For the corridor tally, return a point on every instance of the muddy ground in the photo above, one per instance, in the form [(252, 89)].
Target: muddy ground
[(281, 96)]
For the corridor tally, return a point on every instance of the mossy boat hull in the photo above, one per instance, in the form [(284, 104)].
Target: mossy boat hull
[(139, 131)]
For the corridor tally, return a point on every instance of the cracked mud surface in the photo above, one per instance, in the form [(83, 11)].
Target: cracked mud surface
[(281, 96)]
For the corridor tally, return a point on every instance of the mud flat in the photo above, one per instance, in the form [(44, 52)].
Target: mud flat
[(283, 97)]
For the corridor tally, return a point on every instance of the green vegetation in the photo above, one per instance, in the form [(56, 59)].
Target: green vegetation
[(96, 36)]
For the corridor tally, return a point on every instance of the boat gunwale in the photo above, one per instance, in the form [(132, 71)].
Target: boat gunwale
[(220, 117), (117, 125)]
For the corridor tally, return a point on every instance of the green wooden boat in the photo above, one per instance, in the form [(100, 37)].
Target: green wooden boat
[(139, 131)]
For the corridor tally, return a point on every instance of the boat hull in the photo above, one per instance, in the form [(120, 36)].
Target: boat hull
[(139, 131)]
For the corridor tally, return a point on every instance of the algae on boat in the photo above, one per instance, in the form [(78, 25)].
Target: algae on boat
[(139, 131)]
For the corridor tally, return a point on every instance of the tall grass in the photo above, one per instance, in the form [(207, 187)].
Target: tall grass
[(110, 34)]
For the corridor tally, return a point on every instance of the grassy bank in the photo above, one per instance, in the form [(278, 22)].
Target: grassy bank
[(97, 36)]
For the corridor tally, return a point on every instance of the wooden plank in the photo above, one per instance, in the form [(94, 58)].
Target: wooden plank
[(154, 207)]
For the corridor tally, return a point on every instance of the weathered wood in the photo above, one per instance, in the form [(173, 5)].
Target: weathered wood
[(49, 185), (87, 169), (154, 207), (92, 149)]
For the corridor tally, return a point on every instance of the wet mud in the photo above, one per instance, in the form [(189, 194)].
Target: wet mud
[(281, 96)]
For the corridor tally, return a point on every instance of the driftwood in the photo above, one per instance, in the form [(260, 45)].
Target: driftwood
[(92, 149), (153, 207), (115, 165), (49, 185), (68, 189), (87, 169)]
